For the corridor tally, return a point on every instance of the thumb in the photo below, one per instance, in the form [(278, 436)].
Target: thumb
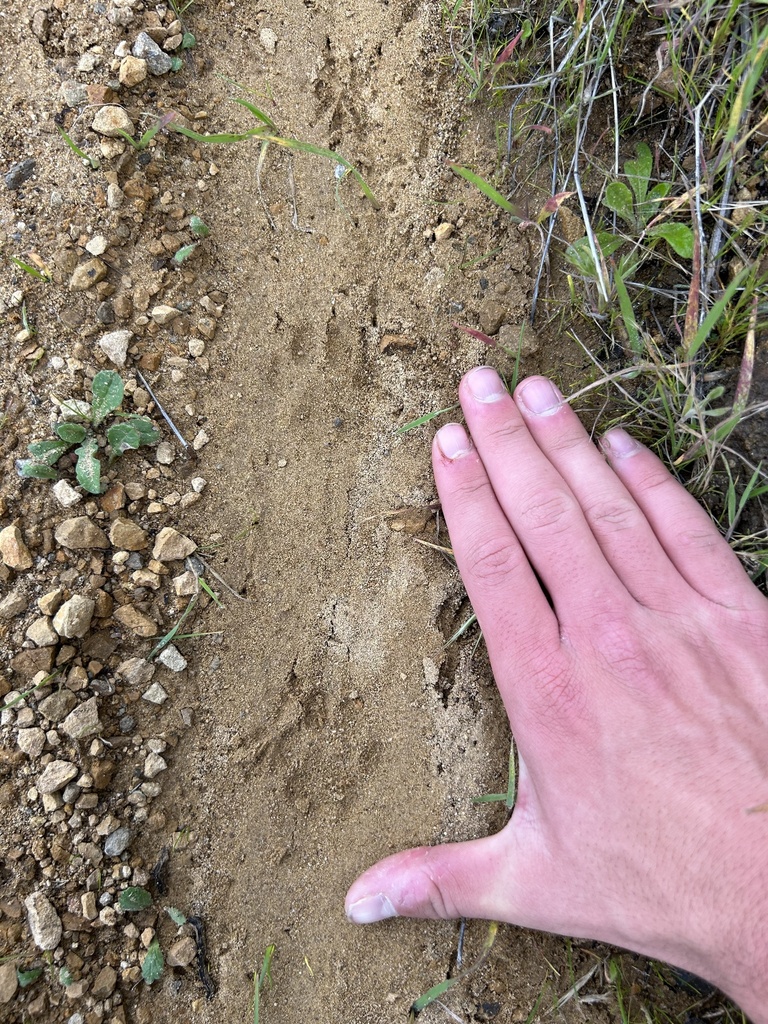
[(473, 879)]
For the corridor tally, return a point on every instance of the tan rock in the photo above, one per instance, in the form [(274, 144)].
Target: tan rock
[(13, 551), (170, 545), (133, 71), (110, 121), (73, 619), (87, 274), (135, 621), (182, 952), (127, 536), (8, 982), (79, 533)]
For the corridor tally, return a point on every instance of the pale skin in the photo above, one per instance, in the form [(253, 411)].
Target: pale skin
[(638, 699)]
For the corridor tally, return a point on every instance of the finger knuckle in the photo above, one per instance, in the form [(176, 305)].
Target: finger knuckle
[(492, 559), (613, 513), (549, 510)]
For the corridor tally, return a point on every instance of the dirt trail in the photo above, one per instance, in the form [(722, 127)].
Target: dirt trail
[(330, 726)]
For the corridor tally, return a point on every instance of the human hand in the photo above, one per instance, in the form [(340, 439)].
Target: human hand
[(638, 700)]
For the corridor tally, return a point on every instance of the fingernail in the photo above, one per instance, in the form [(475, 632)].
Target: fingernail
[(540, 396), (453, 441), (485, 384), (370, 909), (618, 444)]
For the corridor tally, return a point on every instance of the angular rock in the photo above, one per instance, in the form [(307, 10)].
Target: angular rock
[(80, 533), (56, 707), (74, 617), (50, 603), (172, 658), (186, 584), (104, 983), (127, 536), (109, 121), (12, 604), (83, 721), (31, 741), (43, 921), (133, 71), (19, 173), (155, 694), (115, 346), (56, 776), (170, 545), (42, 633), (13, 551), (117, 841), (135, 621), (153, 765), (28, 663), (158, 62), (87, 274), (164, 314), (88, 903), (182, 952), (136, 671), (65, 494), (8, 982)]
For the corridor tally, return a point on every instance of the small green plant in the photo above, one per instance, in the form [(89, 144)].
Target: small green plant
[(200, 230), (153, 963), (92, 161), (134, 898), (266, 133), (39, 275), (262, 980), (144, 140), (129, 432)]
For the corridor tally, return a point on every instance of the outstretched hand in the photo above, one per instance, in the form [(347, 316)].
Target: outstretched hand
[(631, 653)]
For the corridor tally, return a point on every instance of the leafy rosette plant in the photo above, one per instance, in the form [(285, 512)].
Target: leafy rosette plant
[(129, 431)]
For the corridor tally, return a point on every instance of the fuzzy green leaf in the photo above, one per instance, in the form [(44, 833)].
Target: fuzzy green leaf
[(122, 437), (580, 256), (88, 469), (31, 470), (153, 964), (198, 227), (639, 171), (25, 978), (134, 898), (184, 252), (678, 236), (145, 428), (176, 916), (107, 394), (65, 976), (47, 452), (72, 433), (619, 199), (188, 41)]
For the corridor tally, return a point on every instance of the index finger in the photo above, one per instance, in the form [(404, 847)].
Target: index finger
[(517, 621)]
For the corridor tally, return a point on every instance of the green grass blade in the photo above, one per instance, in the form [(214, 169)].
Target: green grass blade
[(262, 980), (218, 138), (442, 987), (715, 313), (627, 313), (329, 154), (487, 189), (259, 114), (424, 419)]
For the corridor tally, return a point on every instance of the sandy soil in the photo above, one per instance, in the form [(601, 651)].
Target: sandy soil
[(330, 726)]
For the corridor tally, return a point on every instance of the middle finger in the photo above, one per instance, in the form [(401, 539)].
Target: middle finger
[(540, 506)]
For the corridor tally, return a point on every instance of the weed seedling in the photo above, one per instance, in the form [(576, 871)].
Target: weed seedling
[(262, 980), (91, 161), (129, 432)]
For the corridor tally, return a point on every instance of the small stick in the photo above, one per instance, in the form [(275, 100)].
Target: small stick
[(165, 415), (223, 582)]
